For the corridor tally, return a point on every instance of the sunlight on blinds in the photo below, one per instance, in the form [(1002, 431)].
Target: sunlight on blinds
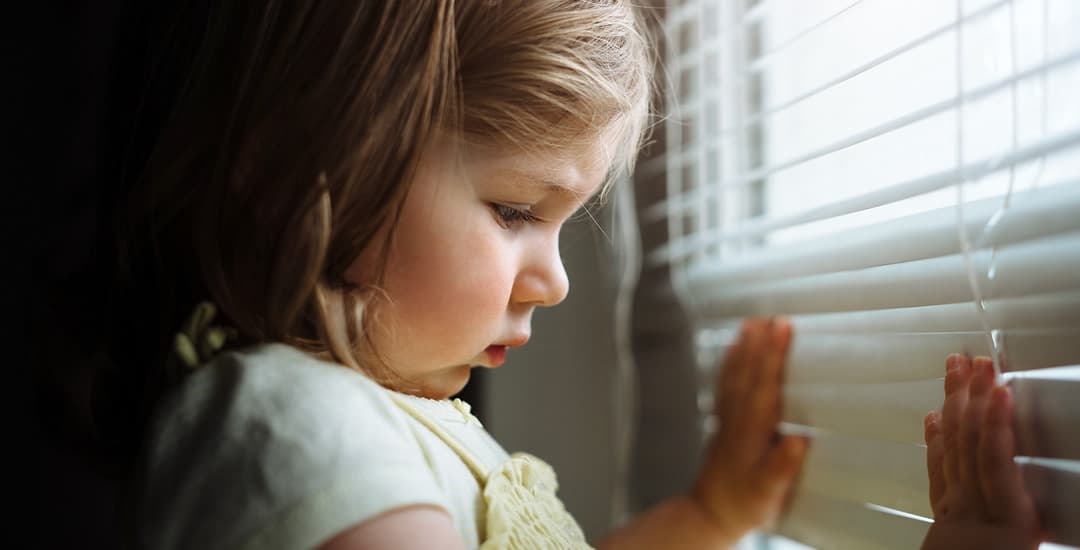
[(902, 179)]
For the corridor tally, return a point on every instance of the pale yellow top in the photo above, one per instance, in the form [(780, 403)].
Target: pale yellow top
[(522, 509), (272, 448)]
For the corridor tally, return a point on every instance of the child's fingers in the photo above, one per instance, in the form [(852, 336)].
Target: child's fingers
[(765, 400), (783, 464), (935, 455), (727, 398), (971, 426), (733, 374), (956, 390), (999, 476), (745, 371)]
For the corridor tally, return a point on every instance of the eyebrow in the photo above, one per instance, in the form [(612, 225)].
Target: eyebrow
[(549, 183)]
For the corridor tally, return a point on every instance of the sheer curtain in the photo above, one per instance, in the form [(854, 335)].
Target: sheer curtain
[(901, 179)]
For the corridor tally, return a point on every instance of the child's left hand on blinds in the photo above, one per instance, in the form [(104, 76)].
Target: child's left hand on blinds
[(749, 469)]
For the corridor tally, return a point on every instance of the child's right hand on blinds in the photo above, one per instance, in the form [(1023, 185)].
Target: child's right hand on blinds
[(750, 468), (976, 490)]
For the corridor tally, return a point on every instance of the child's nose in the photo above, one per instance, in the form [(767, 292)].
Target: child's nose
[(542, 281)]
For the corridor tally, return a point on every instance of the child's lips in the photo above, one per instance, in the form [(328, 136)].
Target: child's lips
[(497, 355)]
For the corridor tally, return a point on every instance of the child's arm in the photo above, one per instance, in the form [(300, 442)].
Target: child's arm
[(409, 528), (976, 491), (749, 469)]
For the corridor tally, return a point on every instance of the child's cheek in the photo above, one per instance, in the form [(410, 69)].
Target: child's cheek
[(475, 272), (452, 278)]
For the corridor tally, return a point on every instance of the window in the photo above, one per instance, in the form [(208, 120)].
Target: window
[(902, 179)]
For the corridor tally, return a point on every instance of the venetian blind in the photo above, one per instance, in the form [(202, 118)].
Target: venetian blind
[(902, 179)]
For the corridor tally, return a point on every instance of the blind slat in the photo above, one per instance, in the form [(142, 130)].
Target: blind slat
[(850, 469), (1047, 411), (677, 204), (1047, 415), (1031, 214), (906, 189), (1043, 310), (1045, 265), (902, 121), (762, 60), (818, 358), (1056, 492), (839, 525), (1038, 311), (891, 54), (888, 411)]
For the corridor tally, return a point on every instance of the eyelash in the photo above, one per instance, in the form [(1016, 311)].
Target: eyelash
[(509, 216)]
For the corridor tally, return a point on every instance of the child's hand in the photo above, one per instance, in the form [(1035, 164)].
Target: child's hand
[(749, 469), (976, 491)]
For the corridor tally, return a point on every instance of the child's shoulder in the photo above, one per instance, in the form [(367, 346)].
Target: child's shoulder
[(278, 385), (265, 366), (270, 442), (279, 397)]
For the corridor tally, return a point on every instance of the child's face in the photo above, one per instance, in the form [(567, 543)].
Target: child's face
[(476, 251)]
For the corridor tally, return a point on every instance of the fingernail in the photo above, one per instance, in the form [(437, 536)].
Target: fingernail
[(952, 363), (776, 332), (783, 325)]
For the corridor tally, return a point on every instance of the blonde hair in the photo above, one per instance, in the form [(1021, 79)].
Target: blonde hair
[(297, 128)]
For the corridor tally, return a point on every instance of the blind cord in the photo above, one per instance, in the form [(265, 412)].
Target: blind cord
[(995, 337), (965, 241), (992, 224)]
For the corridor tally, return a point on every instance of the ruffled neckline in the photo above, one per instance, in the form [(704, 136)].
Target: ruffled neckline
[(522, 508), (452, 410)]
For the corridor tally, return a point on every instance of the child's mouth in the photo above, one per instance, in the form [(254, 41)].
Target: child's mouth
[(497, 355)]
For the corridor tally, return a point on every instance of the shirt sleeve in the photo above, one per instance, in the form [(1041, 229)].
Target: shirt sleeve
[(274, 449)]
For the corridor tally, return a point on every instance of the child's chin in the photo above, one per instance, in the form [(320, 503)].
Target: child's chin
[(451, 382)]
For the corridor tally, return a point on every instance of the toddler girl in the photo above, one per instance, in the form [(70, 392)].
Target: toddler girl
[(361, 202), (344, 208)]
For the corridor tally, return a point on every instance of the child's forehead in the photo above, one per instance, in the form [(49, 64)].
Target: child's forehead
[(578, 173)]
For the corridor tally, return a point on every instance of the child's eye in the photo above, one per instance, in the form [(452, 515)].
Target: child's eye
[(508, 216)]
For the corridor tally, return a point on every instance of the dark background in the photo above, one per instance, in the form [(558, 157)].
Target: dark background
[(61, 66)]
